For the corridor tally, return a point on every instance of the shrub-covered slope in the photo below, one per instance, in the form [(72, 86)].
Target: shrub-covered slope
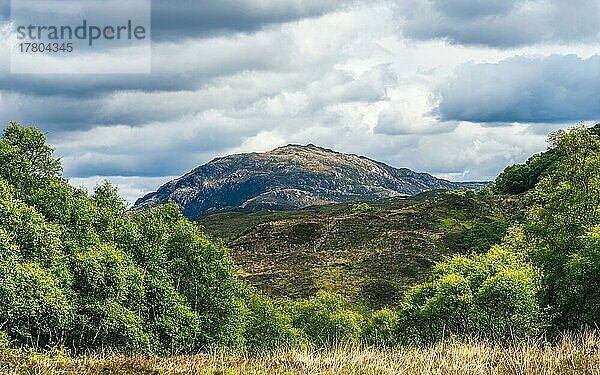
[(371, 252)]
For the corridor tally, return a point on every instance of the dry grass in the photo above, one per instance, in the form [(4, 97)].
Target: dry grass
[(578, 354)]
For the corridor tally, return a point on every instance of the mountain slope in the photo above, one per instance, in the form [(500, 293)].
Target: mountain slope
[(290, 177), (370, 256)]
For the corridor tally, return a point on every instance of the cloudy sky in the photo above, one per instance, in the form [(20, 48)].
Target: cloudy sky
[(459, 89)]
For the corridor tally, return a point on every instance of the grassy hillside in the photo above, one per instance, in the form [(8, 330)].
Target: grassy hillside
[(369, 252)]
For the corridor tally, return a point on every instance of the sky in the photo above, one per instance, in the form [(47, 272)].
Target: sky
[(454, 88)]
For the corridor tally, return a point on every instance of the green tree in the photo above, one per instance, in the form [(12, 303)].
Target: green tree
[(520, 178), (34, 309), (491, 295), (26, 160), (268, 326), (175, 251), (560, 228), (382, 329), (81, 271)]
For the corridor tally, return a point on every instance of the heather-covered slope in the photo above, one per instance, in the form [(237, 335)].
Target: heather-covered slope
[(371, 253)]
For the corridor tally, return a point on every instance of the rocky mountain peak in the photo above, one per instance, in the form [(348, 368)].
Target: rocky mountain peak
[(289, 177)]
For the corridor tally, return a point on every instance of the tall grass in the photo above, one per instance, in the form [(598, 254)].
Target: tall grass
[(572, 354)]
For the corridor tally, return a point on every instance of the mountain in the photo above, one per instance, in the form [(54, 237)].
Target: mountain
[(371, 253), (290, 177)]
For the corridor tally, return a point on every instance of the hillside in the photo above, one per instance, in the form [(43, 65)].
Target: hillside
[(368, 253), (290, 177)]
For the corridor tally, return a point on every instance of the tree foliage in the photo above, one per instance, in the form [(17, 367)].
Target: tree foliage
[(483, 235), (327, 320), (491, 295), (82, 272), (520, 178), (562, 230)]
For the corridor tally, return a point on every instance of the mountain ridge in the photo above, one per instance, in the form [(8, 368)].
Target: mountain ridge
[(290, 177)]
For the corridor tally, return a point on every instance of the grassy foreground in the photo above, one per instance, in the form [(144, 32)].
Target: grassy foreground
[(579, 354)]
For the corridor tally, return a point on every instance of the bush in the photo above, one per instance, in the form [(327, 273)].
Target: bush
[(491, 295), (268, 327), (507, 307), (361, 208), (482, 236), (382, 329), (469, 193), (35, 311), (327, 320)]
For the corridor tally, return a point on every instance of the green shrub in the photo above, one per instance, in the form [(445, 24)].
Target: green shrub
[(491, 295), (507, 307), (382, 329), (268, 327), (361, 208), (469, 193), (35, 311), (327, 320), (482, 236)]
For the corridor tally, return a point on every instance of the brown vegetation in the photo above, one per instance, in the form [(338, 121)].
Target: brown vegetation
[(577, 354)]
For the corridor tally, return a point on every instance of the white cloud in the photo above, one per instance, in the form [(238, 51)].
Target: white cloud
[(346, 79)]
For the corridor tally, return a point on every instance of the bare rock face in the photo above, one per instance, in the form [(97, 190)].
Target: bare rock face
[(290, 177)]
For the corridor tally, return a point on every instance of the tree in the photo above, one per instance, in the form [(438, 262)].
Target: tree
[(26, 160), (80, 271), (561, 225), (268, 326), (170, 247), (382, 329), (519, 178), (491, 295)]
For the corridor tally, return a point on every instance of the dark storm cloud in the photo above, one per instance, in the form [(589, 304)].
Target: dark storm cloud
[(124, 165), (501, 24), (56, 113), (461, 9), (4, 9), (174, 22), (192, 18), (181, 19), (539, 90), (91, 86), (157, 150)]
